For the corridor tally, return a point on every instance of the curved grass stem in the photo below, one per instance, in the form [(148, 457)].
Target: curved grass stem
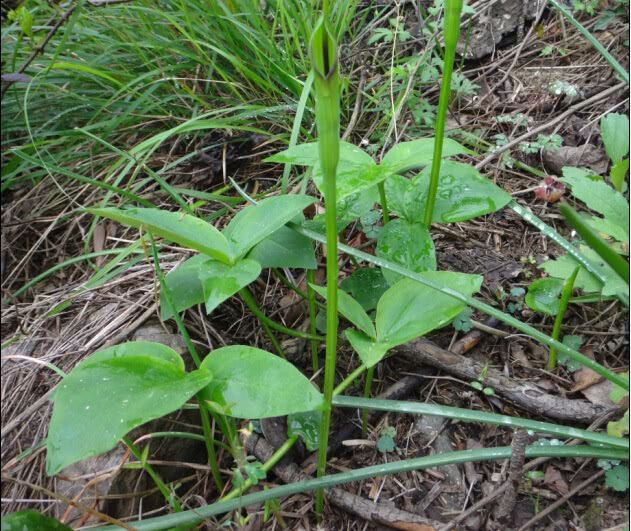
[(193, 517)]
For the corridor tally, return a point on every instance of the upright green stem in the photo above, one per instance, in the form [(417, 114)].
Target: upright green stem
[(566, 293), (451, 32), (250, 301), (384, 202), (169, 496), (367, 388), (203, 410), (327, 84), (312, 318)]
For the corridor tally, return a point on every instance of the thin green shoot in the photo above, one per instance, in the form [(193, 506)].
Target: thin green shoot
[(624, 75), (203, 410), (451, 33), (169, 496), (566, 293)]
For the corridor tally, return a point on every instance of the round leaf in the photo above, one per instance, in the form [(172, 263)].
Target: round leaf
[(251, 383), (407, 244), (112, 392), (544, 295)]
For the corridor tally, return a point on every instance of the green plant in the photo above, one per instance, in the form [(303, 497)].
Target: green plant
[(325, 66), (412, 299)]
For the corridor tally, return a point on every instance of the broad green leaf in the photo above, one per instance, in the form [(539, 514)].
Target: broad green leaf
[(563, 266), (307, 426), (544, 295), (600, 197), (410, 309), (614, 129), (406, 197), (184, 229), (220, 281), (356, 172), (418, 153), (112, 392), (30, 520), (370, 351), (350, 309), (285, 248), (463, 193), (618, 173), (254, 223), (348, 210), (184, 285), (300, 154), (251, 383), (407, 244), (606, 227), (366, 285)]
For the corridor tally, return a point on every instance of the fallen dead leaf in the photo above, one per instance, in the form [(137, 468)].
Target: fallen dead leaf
[(555, 480)]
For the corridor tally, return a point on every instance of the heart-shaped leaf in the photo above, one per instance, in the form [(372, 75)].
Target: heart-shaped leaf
[(410, 309), (407, 244), (370, 351), (350, 309), (417, 153), (544, 295), (285, 248), (184, 229), (254, 223), (112, 392), (220, 281), (251, 383), (184, 286)]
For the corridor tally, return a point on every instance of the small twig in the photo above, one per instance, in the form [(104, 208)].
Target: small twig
[(535, 463), (530, 523), (554, 121), (505, 508), (79, 506), (40, 48)]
